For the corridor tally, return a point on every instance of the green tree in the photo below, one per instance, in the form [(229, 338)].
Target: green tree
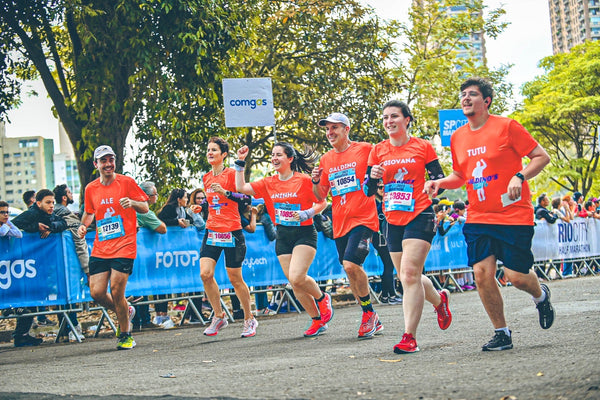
[(101, 60), (562, 111), (322, 57), (435, 58)]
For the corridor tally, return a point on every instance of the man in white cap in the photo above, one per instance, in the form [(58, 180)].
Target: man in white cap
[(113, 199), (343, 170)]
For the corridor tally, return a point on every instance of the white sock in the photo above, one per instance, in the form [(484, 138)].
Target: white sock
[(505, 330), (538, 300)]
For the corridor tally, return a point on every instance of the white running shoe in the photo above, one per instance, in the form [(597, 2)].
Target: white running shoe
[(250, 327), (216, 324)]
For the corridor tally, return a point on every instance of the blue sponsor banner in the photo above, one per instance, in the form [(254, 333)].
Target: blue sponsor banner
[(450, 120), (448, 252), (32, 271)]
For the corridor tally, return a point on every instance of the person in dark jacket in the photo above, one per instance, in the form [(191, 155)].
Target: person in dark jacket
[(173, 212), (40, 217), (541, 210)]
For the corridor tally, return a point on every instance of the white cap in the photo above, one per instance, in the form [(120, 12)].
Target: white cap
[(336, 118), (102, 151)]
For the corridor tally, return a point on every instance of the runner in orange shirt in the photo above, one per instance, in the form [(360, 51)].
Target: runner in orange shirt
[(343, 170), (487, 155), (401, 162), (291, 204), (113, 199), (223, 234)]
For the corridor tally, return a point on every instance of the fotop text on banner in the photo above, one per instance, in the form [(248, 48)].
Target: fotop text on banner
[(450, 120), (248, 102)]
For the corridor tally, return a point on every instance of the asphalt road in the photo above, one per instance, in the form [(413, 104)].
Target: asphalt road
[(278, 363)]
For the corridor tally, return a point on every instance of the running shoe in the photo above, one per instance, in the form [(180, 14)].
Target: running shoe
[(26, 340), (378, 327), (390, 299), (368, 325), (326, 309), (73, 336), (408, 344), (130, 314), (316, 328), (444, 316), (216, 325), (500, 341), (250, 327), (545, 309), (125, 342)]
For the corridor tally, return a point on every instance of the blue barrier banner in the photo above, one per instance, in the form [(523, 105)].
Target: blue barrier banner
[(32, 271), (450, 120), (448, 252)]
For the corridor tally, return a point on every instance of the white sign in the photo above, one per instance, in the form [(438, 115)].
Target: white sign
[(248, 102)]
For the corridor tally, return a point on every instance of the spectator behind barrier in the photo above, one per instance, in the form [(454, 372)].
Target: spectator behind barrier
[(149, 220), (7, 228), (28, 198), (561, 209), (541, 210), (173, 213), (198, 197)]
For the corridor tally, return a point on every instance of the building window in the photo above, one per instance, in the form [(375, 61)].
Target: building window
[(7, 164), (9, 183)]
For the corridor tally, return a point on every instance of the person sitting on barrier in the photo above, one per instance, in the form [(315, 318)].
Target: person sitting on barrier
[(223, 234), (113, 201), (198, 197), (290, 202), (148, 220), (411, 221), (64, 197)]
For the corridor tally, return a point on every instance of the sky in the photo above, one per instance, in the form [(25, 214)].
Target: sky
[(524, 43)]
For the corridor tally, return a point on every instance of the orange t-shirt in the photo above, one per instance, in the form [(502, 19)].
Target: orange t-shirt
[(404, 178), (282, 198), (223, 214), (344, 174), (118, 238), (488, 158)]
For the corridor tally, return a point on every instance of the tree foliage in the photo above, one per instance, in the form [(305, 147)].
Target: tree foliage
[(101, 60), (321, 56), (562, 111), (435, 58)]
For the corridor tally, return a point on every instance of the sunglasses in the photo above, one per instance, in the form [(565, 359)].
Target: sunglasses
[(4, 212)]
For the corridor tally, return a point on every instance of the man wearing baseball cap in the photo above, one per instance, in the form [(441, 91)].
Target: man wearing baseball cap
[(113, 200), (343, 170)]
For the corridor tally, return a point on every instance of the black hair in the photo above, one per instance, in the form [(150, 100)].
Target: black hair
[(59, 192), (28, 195), (541, 198), (484, 86), (3, 204), (458, 205), (222, 143), (403, 107), (302, 162), (39, 196), (175, 195)]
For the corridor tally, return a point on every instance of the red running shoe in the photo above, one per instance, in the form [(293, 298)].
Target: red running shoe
[(326, 309), (316, 328), (444, 316), (408, 344), (368, 325)]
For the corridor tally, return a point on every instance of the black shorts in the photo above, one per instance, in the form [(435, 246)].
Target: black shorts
[(289, 237), (234, 256), (421, 227), (100, 265), (510, 244), (354, 245)]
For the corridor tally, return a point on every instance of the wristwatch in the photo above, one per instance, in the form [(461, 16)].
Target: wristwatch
[(520, 176), (227, 193)]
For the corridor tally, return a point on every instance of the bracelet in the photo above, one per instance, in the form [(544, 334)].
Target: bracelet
[(315, 183), (241, 163), (520, 176)]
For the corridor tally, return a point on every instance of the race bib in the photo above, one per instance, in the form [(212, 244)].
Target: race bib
[(343, 182), (399, 197), (220, 239), (284, 214), (110, 228)]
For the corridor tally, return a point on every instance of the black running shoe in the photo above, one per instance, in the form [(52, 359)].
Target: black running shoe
[(545, 309), (500, 341)]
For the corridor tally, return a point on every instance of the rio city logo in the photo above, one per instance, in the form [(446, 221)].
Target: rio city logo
[(252, 103)]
